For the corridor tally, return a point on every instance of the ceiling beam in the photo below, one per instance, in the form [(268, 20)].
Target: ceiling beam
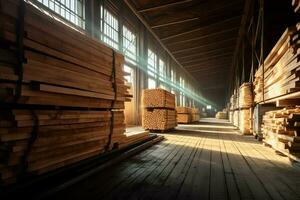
[(219, 50), (163, 6), (204, 36), (176, 22), (226, 60), (204, 46), (226, 54), (219, 23), (208, 68), (200, 9)]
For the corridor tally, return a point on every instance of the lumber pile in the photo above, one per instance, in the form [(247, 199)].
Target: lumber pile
[(245, 105), (159, 110), (236, 118), (221, 115), (245, 95), (296, 5), (281, 130), (184, 115), (62, 94), (230, 116), (234, 102), (281, 74), (195, 113), (245, 121)]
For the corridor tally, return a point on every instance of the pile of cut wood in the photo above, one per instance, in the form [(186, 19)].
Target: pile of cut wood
[(236, 118), (195, 114), (221, 115), (245, 106), (280, 73), (62, 94), (245, 95), (245, 121), (184, 115), (159, 110), (281, 130)]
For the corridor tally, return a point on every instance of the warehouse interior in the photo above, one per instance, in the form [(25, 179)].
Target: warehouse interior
[(141, 99)]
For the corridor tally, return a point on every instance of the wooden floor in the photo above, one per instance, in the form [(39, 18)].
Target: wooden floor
[(204, 161)]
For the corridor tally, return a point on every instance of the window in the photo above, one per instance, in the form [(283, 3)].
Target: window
[(129, 46), (152, 63), (128, 74), (181, 93), (72, 10), (151, 83), (208, 107), (162, 70), (109, 27), (173, 79)]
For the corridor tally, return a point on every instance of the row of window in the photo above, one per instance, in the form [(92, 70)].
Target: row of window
[(74, 11)]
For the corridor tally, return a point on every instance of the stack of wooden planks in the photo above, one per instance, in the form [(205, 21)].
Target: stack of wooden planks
[(245, 106), (221, 115), (62, 67), (184, 115), (230, 116), (37, 141), (245, 121), (296, 5), (195, 114), (280, 73), (281, 130), (236, 118), (234, 102), (245, 95), (62, 94), (159, 110)]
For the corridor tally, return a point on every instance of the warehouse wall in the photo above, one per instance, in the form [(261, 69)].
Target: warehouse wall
[(145, 41)]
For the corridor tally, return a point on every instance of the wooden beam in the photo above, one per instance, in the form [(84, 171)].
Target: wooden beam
[(208, 58), (201, 69), (219, 50), (211, 62), (203, 36), (176, 22), (163, 6), (219, 23), (204, 41), (204, 46), (200, 9)]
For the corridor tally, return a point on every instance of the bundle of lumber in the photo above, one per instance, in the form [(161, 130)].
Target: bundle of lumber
[(245, 95), (280, 73), (37, 141), (281, 130), (184, 115), (45, 62), (159, 110), (296, 5), (221, 115), (195, 114), (230, 116), (236, 118), (158, 98), (245, 120), (62, 94)]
